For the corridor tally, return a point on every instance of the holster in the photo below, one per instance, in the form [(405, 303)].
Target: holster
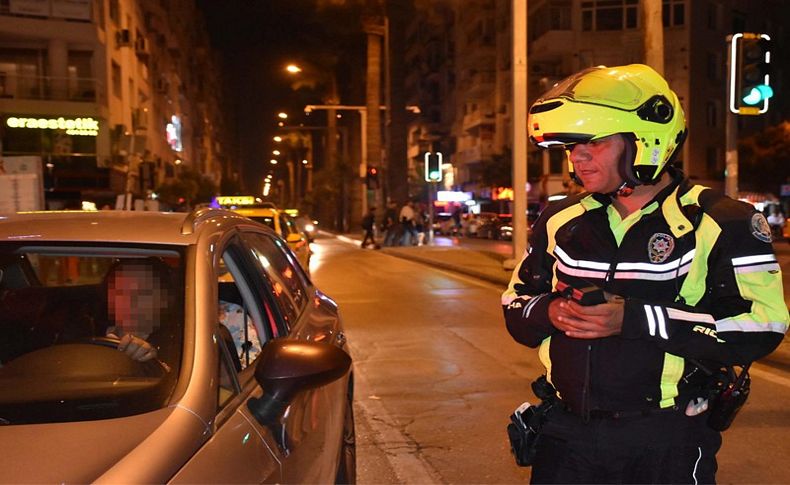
[(524, 429)]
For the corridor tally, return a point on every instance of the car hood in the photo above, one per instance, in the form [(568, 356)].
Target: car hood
[(82, 452)]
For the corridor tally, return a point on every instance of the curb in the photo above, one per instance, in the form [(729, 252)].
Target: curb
[(504, 280)]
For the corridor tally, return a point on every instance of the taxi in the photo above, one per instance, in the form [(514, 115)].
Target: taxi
[(268, 214)]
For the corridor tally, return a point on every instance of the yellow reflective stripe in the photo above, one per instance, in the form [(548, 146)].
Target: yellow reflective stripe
[(543, 355), (692, 196), (670, 376), (677, 221), (764, 290), (707, 234), (510, 293), (552, 226)]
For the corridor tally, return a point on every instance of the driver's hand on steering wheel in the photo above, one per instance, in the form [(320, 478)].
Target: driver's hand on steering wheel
[(136, 348)]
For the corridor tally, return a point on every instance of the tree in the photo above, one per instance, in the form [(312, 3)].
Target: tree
[(765, 152), (190, 185)]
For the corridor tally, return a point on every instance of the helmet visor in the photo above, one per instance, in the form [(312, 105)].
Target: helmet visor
[(604, 86)]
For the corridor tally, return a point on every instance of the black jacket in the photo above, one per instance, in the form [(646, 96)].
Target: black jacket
[(713, 294)]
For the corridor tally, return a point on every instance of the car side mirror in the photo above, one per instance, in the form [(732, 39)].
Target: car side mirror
[(288, 367), (293, 238)]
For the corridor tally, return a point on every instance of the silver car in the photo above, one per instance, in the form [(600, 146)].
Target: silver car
[(181, 348)]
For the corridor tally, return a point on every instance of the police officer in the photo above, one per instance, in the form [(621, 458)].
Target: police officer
[(690, 277)]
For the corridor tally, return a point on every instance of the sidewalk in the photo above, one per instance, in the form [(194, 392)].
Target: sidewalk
[(487, 266)]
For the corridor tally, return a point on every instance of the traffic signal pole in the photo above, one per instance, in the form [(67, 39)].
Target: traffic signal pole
[(520, 225)]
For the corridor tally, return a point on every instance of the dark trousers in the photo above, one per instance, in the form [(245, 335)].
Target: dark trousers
[(658, 448)]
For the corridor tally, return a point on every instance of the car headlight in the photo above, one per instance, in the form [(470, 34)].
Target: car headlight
[(309, 227)]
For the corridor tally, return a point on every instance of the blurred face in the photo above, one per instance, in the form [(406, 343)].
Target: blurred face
[(135, 299), (595, 163)]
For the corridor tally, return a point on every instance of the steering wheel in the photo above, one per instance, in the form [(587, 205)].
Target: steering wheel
[(155, 364)]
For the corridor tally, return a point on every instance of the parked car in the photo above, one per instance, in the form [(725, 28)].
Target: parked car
[(474, 221), (250, 379), (505, 227), (443, 224), (489, 226)]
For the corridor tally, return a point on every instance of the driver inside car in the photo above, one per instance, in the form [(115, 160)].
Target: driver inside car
[(139, 296)]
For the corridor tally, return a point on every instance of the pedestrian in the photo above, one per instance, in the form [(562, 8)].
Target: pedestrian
[(691, 281), (406, 218), (368, 224), (391, 225), (456, 231), (420, 224)]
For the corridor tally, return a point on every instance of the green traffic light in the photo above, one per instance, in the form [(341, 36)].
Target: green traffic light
[(758, 94), (434, 175)]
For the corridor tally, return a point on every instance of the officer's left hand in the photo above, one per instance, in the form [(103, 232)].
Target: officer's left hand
[(589, 322)]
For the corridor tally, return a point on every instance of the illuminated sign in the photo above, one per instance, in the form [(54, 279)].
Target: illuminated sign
[(236, 200), (503, 193), (450, 196), (173, 131), (72, 126)]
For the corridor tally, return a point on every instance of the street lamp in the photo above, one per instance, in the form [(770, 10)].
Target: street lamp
[(273, 161), (282, 115), (278, 139), (275, 152), (293, 68)]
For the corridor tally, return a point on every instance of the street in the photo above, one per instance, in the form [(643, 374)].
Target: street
[(437, 376)]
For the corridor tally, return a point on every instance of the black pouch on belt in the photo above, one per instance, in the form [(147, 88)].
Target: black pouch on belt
[(527, 421)]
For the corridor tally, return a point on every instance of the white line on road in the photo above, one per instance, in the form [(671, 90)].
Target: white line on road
[(402, 452)]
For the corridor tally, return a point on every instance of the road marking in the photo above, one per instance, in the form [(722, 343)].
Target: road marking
[(763, 372), (401, 451)]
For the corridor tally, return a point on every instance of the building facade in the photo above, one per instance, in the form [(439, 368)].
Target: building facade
[(116, 96), (565, 36)]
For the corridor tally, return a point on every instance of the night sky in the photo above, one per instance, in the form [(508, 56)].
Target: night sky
[(256, 39)]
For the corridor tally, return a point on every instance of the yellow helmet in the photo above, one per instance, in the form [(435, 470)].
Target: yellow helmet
[(632, 100)]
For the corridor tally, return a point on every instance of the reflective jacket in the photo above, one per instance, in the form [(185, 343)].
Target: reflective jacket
[(699, 278)]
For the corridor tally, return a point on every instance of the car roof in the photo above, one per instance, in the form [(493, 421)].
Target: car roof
[(177, 228)]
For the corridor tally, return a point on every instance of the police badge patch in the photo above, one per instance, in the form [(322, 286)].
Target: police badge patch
[(760, 228), (659, 247)]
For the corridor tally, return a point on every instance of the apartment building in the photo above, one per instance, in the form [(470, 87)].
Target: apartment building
[(115, 96), (565, 36)]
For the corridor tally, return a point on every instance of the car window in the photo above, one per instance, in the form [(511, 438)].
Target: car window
[(279, 267), (62, 310), (265, 220), (236, 322), (286, 226)]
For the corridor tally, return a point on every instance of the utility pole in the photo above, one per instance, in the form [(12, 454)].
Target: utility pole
[(654, 35), (373, 26), (520, 100)]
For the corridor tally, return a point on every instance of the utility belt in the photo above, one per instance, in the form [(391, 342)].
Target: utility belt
[(726, 393), (606, 414)]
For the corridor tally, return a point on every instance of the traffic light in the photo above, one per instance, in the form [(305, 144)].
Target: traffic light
[(750, 66), (433, 166), (372, 178)]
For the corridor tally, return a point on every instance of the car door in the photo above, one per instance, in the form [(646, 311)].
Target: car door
[(312, 430), (240, 449)]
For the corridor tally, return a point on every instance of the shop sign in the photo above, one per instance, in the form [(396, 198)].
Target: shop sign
[(72, 126)]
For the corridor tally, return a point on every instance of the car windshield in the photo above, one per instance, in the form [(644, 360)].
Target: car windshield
[(64, 309), (267, 220)]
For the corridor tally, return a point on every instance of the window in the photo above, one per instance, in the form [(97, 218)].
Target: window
[(116, 80), (673, 13), (283, 274), (714, 16), (603, 15), (714, 67), (58, 297), (234, 316)]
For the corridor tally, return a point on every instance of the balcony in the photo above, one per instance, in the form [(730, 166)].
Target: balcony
[(476, 119), (13, 86), (481, 84), (474, 154)]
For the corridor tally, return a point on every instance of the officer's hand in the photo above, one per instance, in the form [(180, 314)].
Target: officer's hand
[(588, 322), (136, 348)]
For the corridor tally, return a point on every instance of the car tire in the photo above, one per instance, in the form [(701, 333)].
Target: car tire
[(347, 465)]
